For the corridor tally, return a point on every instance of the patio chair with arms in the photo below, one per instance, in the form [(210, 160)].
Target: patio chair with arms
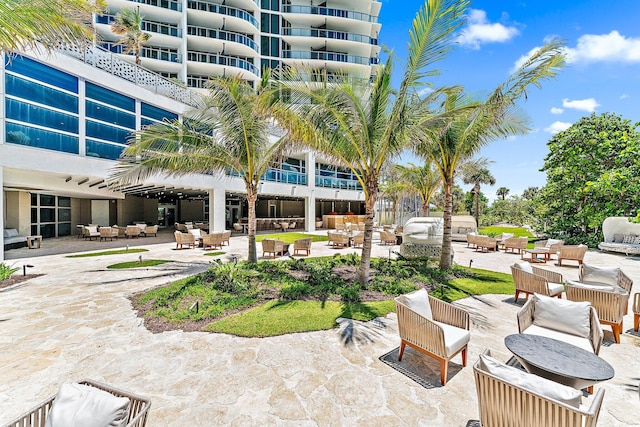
[(529, 280), (273, 247), (90, 231), (183, 239), (132, 231), (151, 229), (302, 245), (226, 235), (513, 244), (358, 240), (550, 245), (108, 233), (387, 237), (572, 252), (212, 240), (436, 328)]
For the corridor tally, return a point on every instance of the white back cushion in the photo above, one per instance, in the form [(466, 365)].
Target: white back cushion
[(10, 232), (605, 275), (530, 382), (418, 301), (551, 242), (80, 405), (563, 315), (524, 266)]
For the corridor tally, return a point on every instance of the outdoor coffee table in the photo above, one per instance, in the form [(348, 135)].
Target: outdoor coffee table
[(546, 255), (558, 361)]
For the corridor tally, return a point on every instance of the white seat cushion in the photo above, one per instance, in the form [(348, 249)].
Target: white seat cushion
[(454, 338), (80, 405), (581, 342), (562, 315), (524, 266), (418, 301), (530, 382), (555, 288)]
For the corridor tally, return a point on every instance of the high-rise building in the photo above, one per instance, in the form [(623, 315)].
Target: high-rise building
[(194, 39)]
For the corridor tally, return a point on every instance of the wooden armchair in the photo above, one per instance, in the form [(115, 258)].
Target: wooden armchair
[(90, 231), (151, 229), (272, 246), (537, 280), (132, 231), (226, 235), (212, 240), (486, 243), (182, 239), (572, 252), (302, 245), (387, 237), (513, 244), (433, 327), (550, 245), (338, 239), (358, 240), (471, 240), (108, 233)]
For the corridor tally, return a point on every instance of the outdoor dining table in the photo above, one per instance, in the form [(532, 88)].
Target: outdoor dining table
[(558, 361)]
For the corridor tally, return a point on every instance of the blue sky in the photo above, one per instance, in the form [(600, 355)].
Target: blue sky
[(602, 73)]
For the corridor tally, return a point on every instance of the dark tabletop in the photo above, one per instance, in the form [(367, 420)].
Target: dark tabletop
[(559, 357)]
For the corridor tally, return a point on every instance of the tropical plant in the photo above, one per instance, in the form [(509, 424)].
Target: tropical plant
[(6, 271), (592, 173), (128, 24), (457, 199), (502, 192), (226, 135), (421, 180), (29, 24), (530, 193), (464, 125), (476, 173), (364, 126)]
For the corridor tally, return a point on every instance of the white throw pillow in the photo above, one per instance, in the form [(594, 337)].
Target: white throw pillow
[(605, 275), (617, 238), (524, 266), (552, 242), (418, 301), (530, 382), (562, 315), (80, 405)]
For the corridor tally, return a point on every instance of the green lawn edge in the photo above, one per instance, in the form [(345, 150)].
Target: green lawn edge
[(216, 253), (290, 237), (113, 252), (138, 264), (484, 282)]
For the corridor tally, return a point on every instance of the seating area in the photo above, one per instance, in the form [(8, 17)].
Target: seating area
[(620, 235), (12, 239)]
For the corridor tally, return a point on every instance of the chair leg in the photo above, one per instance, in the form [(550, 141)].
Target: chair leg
[(464, 357), (515, 299), (444, 364), (590, 389), (616, 329), (636, 322), (401, 352)]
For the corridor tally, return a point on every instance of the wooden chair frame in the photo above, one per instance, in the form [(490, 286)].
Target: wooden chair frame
[(534, 283)]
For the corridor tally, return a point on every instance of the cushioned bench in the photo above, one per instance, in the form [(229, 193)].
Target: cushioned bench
[(12, 239), (620, 235)]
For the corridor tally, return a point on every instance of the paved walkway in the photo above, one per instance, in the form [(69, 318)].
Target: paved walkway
[(75, 322)]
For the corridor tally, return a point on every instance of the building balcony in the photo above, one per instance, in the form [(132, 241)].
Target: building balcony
[(218, 9), (204, 63), (329, 12), (326, 56), (328, 34), (225, 39), (165, 4), (147, 52)]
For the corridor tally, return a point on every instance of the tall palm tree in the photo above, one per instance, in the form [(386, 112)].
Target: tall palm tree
[(28, 24), (477, 174), (421, 180), (364, 126), (128, 24), (502, 192), (226, 135), (464, 125)]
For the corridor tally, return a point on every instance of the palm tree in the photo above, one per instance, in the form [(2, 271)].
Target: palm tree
[(476, 173), (393, 191), (530, 193), (226, 135), (502, 192), (421, 180), (128, 23), (464, 125), (364, 126), (28, 24)]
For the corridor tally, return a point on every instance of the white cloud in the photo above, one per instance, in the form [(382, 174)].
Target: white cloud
[(479, 30), (589, 105), (624, 96), (556, 127), (612, 47), (555, 110), (424, 91), (520, 61)]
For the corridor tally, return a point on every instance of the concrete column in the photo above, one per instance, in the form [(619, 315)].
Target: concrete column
[(217, 199), (310, 212), (2, 213)]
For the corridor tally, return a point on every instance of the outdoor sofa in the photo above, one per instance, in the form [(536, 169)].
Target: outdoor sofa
[(620, 235), (533, 280), (12, 239)]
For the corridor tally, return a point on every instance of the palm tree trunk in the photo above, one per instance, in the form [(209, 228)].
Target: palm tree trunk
[(445, 255), (476, 192), (365, 262), (425, 209), (394, 208), (252, 196)]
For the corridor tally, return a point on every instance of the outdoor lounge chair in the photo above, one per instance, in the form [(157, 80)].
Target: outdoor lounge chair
[(529, 280), (572, 252), (108, 233), (121, 231), (302, 245), (338, 239), (132, 231), (212, 240), (485, 243), (358, 240), (387, 237), (273, 247), (513, 244), (433, 327), (138, 408), (550, 245), (91, 231), (471, 240), (226, 235), (501, 403), (237, 227), (184, 239), (151, 229)]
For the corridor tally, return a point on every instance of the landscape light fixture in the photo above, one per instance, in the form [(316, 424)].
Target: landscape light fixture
[(24, 268)]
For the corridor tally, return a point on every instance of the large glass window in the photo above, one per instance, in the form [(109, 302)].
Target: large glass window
[(38, 71), (110, 115), (33, 114), (156, 113), (106, 132), (32, 137), (98, 93), (21, 88), (50, 215), (103, 150)]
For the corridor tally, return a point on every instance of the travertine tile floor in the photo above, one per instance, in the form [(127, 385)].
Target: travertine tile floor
[(75, 322)]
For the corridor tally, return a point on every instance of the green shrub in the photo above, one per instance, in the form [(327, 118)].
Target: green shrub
[(6, 271)]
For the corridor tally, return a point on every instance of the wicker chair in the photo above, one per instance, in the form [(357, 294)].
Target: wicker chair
[(433, 336), (108, 233), (358, 240), (226, 235), (132, 231), (138, 408), (212, 240), (184, 239), (513, 244), (302, 245), (272, 246), (338, 239), (485, 243), (572, 252), (538, 281), (90, 231), (387, 238), (502, 404), (471, 240), (237, 227), (122, 231), (550, 245), (341, 226), (151, 229)]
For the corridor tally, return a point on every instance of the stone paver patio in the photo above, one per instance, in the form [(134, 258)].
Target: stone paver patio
[(75, 322)]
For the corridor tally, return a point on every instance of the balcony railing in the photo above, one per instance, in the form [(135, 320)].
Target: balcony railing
[(327, 11), (325, 56), (224, 10), (162, 54), (151, 26), (166, 4), (230, 61), (328, 34), (222, 35), (107, 61)]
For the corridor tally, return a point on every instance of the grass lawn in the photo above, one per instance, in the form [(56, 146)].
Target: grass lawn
[(516, 231), (482, 282), (291, 237), (286, 317), (114, 252), (214, 253), (138, 264)]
